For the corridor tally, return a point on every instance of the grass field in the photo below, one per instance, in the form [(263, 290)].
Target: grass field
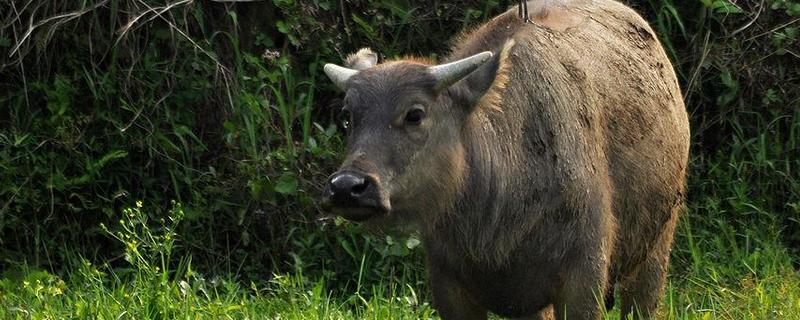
[(723, 271)]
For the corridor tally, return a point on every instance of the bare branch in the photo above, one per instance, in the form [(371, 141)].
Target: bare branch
[(60, 19)]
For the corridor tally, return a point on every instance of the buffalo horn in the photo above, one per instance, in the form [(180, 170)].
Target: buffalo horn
[(449, 73)]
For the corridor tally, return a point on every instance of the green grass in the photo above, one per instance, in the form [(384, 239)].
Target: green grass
[(762, 287), (89, 132), (720, 271), (92, 293), (718, 278)]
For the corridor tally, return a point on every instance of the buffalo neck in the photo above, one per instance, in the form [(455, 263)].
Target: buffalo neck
[(481, 224)]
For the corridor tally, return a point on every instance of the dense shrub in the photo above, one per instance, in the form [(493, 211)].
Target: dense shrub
[(738, 64), (222, 107), (217, 106)]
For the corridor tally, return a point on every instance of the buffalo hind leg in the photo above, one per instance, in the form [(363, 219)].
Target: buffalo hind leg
[(586, 274), (609, 299), (642, 291), (584, 289)]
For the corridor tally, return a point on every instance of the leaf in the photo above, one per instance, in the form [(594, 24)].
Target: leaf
[(368, 29), (793, 9), (792, 32), (412, 243), (728, 96), (287, 184), (256, 189), (282, 26), (725, 6), (108, 157), (234, 17), (728, 81), (283, 3)]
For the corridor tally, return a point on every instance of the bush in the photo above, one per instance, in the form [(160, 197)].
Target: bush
[(205, 103), (223, 108)]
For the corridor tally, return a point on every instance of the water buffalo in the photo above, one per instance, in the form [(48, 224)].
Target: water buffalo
[(543, 164)]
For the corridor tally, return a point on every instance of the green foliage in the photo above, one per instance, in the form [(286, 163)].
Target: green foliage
[(148, 249), (737, 65), (223, 108), (731, 259), (155, 284), (758, 283), (221, 112)]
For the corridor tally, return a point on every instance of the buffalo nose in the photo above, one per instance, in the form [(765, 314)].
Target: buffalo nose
[(348, 185), (354, 195)]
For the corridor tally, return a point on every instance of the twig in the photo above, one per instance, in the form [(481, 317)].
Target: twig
[(772, 30), (133, 21), (747, 25), (66, 17), (159, 14)]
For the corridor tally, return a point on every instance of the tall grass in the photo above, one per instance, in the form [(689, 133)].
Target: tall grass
[(106, 102), (154, 283), (717, 274), (722, 268)]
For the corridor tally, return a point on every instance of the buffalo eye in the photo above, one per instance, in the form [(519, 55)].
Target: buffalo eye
[(414, 116), (345, 119)]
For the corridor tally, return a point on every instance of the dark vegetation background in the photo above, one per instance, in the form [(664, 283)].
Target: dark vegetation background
[(223, 107)]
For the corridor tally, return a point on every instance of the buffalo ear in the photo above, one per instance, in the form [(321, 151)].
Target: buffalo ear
[(485, 86), (364, 58)]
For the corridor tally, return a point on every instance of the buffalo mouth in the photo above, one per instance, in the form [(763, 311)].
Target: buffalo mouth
[(359, 213), (354, 211)]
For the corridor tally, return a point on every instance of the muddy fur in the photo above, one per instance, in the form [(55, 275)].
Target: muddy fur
[(544, 179)]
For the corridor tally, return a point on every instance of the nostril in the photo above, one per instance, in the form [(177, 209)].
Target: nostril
[(359, 188), (348, 184)]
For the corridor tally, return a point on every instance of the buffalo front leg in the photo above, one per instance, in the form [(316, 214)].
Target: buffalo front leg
[(544, 314), (451, 299)]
